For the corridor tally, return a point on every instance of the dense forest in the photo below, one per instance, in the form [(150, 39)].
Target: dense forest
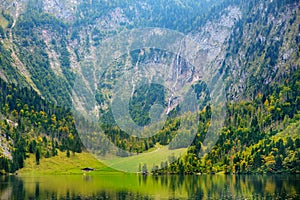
[(42, 56), (29, 124), (261, 135)]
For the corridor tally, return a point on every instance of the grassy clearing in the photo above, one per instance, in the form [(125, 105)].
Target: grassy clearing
[(150, 158), (61, 164), (3, 21)]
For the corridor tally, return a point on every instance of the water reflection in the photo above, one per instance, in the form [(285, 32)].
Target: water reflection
[(151, 187)]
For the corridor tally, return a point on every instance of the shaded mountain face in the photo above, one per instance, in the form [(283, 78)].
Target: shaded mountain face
[(71, 51)]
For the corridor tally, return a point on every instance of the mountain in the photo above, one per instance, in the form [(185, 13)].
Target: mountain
[(53, 53)]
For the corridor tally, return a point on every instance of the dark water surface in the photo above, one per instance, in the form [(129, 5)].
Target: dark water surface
[(151, 187)]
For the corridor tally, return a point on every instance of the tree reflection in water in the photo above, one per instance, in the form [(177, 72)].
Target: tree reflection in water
[(150, 187)]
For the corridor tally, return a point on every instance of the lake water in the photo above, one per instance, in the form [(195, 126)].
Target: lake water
[(151, 187)]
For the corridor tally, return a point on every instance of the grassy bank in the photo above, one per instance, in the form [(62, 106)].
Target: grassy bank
[(62, 165), (3, 21)]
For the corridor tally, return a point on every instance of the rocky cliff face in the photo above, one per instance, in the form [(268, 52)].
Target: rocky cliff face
[(263, 48)]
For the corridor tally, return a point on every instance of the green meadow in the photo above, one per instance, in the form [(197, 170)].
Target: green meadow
[(63, 165), (3, 21)]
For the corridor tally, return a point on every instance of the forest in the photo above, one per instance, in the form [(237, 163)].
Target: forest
[(261, 135), (31, 125)]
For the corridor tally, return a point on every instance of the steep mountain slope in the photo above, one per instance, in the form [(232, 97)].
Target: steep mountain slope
[(264, 47), (257, 33)]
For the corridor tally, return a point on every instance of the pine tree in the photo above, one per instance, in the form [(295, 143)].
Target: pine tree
[(37, 156)]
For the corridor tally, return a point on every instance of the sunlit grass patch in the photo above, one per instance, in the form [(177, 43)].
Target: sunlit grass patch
[(3, 21), (61, 164)]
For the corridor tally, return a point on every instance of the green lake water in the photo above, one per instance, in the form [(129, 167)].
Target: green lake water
[(151, 187)]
